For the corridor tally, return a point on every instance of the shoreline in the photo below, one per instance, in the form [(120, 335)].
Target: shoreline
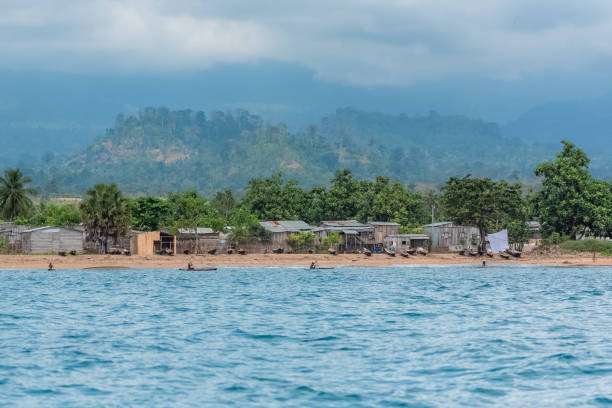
[(289, 260)]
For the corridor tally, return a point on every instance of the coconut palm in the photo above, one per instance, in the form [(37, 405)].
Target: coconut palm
[(105, 213), (14, 200)]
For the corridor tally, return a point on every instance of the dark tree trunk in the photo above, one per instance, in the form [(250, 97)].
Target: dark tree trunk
[(483, 242)]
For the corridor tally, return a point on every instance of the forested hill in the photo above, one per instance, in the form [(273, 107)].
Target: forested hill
[(157, 150)]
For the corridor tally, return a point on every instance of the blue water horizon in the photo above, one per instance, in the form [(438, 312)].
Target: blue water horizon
[(286, 337)]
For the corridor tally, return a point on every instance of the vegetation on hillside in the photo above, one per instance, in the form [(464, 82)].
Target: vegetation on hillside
[(158, 150)]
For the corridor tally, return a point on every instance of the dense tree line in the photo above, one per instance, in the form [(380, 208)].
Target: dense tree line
[(569, 203)]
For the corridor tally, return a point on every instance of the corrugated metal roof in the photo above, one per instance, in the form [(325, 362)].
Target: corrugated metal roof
[(285, 226), (343, 223), (439, 224), (201, 231), (384, 223), (50, 227), (409, 236)]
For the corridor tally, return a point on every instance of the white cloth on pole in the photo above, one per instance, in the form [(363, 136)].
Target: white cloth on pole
[(499, 241)]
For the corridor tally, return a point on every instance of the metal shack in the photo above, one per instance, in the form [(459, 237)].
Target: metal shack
[(207, 239), (12, 233), (403, 242), (446, 236), (282, 229), (354, 234), (51, 239)]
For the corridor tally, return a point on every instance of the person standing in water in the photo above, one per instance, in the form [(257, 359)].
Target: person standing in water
[(484, 263), (51, 268), (313, 265)]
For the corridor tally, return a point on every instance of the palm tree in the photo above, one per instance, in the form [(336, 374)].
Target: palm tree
[(105, 213), (14, 200)]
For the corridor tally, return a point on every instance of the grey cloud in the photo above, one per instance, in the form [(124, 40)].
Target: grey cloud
[(360, 41)]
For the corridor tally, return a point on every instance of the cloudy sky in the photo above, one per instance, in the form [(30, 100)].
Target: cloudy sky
[(364, 42)]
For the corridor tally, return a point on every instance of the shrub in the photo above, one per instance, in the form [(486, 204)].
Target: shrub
[(588, 245), (332, 240), (301, 241)]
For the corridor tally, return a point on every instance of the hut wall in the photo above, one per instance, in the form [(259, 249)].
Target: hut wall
[(52, 240), (398, 242), (381, 231), (143, 244), (206, 244), (123, 242), (453, 236)]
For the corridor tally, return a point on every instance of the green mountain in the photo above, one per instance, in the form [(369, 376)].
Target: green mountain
[(158, 150)]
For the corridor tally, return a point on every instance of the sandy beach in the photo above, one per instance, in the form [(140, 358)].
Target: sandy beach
[(158, 261)]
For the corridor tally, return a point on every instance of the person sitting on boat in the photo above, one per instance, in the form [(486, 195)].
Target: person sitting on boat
[(313, 265), (189, 266)]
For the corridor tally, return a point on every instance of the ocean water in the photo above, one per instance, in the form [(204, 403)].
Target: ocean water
[(288, 337)]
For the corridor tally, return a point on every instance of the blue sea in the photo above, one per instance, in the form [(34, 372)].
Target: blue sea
[(289, 337)]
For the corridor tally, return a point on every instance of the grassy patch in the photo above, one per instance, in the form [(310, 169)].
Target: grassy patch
[(588, 245)]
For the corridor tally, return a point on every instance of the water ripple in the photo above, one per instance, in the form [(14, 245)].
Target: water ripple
[(351, 337)]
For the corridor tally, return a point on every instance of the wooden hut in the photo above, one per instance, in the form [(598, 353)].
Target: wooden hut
[(355, 235), (12, 234), (281, 230), (383, 229), (51, 239), (153, 243)]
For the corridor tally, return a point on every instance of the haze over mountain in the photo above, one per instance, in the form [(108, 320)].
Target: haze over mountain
[(159, 150), (540, 72)]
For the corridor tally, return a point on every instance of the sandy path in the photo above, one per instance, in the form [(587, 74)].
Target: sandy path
[(158, 261)]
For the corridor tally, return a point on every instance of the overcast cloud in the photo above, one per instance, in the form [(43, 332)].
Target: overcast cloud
[(360, 41)]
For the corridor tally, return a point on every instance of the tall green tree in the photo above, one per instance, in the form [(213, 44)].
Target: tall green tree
[(105, 213), (384, 200), (274, 199), (570, 199), (14, 200), (344, 197), (149, 213), (190, 211), (482, 202), (224, 202)]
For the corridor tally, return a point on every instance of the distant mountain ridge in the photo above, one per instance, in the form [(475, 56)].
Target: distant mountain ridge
[(587, 123), (158, 150)]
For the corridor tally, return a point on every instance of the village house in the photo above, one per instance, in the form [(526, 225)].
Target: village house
[(404, 242), (383, 229), (281, 230), (153, 243), (354, 235), (446, 236), (207, 239), (51, 240), (12, 234)]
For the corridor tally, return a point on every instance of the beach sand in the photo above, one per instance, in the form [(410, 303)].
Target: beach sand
[(160, 261)]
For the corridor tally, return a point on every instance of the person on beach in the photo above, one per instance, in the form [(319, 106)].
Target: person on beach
[(51, 268)]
